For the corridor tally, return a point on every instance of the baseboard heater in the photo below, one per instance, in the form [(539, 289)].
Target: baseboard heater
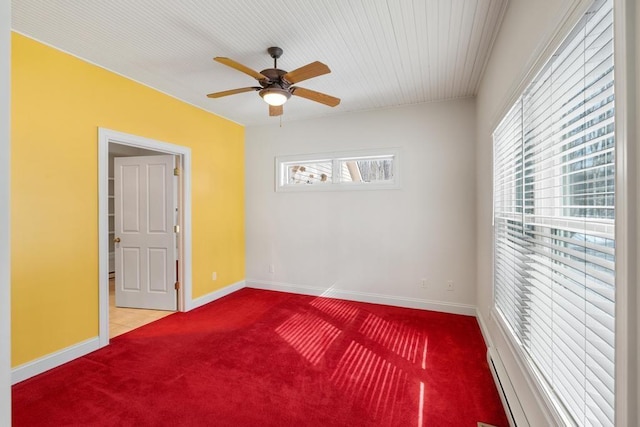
[(508, 395)]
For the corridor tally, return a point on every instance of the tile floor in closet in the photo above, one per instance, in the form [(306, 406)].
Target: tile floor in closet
[(123, 320)]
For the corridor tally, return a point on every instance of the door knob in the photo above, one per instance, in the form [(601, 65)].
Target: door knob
[(116, 240)]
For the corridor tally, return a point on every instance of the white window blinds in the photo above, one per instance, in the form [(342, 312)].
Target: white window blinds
[(554, 222)]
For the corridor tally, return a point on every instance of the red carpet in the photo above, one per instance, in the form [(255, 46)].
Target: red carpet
[(260, 358)]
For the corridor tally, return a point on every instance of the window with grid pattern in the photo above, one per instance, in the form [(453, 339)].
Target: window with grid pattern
[(554, 280)]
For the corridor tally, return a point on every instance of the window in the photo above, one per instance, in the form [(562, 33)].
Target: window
[(361, 170), (312, 172), (366, 169), (554, 268)]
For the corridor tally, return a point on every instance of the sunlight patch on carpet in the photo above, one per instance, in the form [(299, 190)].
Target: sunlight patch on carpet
[(400, 339), (308, 335), (370, 380), (340, 310), (421, 405)]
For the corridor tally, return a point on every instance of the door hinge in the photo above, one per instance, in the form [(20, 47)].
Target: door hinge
[(176, 171), (177, 286), (176, 228)]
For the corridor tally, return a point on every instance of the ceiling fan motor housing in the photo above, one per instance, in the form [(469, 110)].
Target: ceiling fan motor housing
[(274, 78), (274, 83)]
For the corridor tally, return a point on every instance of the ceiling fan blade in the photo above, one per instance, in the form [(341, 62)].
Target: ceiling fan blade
[(238, 66), (322, 98), (305, 72), (275, 110), (232, 92)]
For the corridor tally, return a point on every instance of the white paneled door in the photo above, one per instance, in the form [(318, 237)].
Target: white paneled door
[(145, 246)]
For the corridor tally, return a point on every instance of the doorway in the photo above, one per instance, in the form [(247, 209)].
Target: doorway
[(143, 209), (116, 144)]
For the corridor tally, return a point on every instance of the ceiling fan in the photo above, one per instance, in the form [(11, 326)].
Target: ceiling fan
[(276, 85)]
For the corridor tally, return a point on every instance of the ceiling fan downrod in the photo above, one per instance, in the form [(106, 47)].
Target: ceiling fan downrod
[(275, 53)]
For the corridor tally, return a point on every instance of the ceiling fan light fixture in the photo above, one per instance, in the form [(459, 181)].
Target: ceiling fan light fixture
[(275, 96)]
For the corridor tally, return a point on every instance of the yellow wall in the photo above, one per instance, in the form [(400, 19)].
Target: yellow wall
[(58, 103)]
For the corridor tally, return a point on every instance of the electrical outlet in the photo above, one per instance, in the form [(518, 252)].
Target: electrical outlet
[(272, 268), (449, 285), (214, 276), (424, 283)]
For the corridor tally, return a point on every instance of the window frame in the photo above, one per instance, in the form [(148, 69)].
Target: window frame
[(522, 358), (336, 157)]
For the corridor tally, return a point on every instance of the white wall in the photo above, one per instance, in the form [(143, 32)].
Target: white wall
[(530, 31), (5, 277), (370, 245)]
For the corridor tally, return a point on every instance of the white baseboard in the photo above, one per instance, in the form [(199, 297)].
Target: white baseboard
[(50, 361), (510, 401), (501, 379), (206, 299), (407, 302), (483, 328)]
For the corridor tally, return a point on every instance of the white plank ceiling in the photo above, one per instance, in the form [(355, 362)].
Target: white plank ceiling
[(382, 53)]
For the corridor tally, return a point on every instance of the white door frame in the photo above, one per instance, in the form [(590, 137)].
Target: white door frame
[(5, 206), (106, 137)]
